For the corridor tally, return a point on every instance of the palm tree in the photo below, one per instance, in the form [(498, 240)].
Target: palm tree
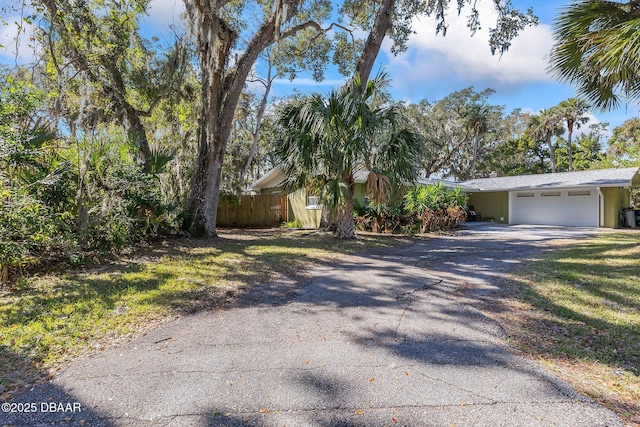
[(544, 126), (325, 140), (597, 46), (572, 111)]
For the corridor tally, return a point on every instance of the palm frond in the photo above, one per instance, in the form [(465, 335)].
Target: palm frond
[(596, 48)]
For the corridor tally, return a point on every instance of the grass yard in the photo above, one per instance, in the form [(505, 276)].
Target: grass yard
[(577, 309), (47, 320)]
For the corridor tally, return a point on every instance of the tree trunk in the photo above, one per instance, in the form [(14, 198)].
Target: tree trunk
[(213, 43), (326, 220), (552, 156), (215, 127), (204, 204), (344, 225), (83, 212), (381, 25), (256, 134), (137, 136), (569, 148), (475, 155), (221, 89), (345, 228)]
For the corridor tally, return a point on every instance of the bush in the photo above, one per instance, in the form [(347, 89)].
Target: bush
[(31, 232), (291, 224), (128, 210), (384, 218), (58, 195), (123, 206), (438, 207)]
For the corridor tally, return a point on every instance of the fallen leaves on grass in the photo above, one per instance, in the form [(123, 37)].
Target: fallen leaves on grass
[(576, 311)]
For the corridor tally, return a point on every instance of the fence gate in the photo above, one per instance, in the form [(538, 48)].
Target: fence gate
[(253, 211)]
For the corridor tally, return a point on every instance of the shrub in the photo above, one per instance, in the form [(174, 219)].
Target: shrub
[(31, 232), (39, 223), (384, 218), (128, 209), (438, 207), (291, 224)]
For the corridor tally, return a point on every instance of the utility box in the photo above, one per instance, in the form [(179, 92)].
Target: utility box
[(630, 216)]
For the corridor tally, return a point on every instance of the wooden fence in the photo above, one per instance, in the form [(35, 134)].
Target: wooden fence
[(253, 211)]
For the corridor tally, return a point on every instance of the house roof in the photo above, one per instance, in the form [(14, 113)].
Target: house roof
[(627, 177), (276, 177), (360, 176), (271, 179), (590, 178)]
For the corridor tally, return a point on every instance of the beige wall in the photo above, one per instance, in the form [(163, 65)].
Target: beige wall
[(614, 200), (491, 205), (308, 218)]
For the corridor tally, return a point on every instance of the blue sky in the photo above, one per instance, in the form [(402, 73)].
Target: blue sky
[(434, 66)]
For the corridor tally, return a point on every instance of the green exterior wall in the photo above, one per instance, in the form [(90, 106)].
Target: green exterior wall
[(491, 205), (496, 204), (359, 192), (297, 202), (614, 200), (308, 218), (297, 207)]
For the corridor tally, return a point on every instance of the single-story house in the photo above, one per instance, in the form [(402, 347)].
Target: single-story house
[(302, 206), (591, 198), (304, 209)]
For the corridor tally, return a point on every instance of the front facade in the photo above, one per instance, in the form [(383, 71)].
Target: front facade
[(591, 198), (303, 207)]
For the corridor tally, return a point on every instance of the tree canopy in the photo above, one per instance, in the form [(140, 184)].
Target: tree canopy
[(303, 36)]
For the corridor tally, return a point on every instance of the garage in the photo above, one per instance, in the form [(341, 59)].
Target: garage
[(592, 198), (578, 207)]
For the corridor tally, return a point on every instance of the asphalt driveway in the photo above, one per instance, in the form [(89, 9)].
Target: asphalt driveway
[(380, 339)]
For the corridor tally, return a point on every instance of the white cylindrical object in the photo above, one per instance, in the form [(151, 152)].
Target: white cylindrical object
[(631, 218)]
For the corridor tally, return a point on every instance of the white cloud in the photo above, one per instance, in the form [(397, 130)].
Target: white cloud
[(163, 14), (586, 128), (467, 59)]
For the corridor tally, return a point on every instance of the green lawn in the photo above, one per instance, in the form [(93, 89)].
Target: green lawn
[(47, 320), (578, 311)]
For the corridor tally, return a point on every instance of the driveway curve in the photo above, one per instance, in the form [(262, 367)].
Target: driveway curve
[(378, 339)]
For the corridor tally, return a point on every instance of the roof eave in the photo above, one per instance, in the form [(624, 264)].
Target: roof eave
[(265, 178), (623, 184)]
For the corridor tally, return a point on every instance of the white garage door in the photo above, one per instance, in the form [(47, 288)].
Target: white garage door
[(578, 208)]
